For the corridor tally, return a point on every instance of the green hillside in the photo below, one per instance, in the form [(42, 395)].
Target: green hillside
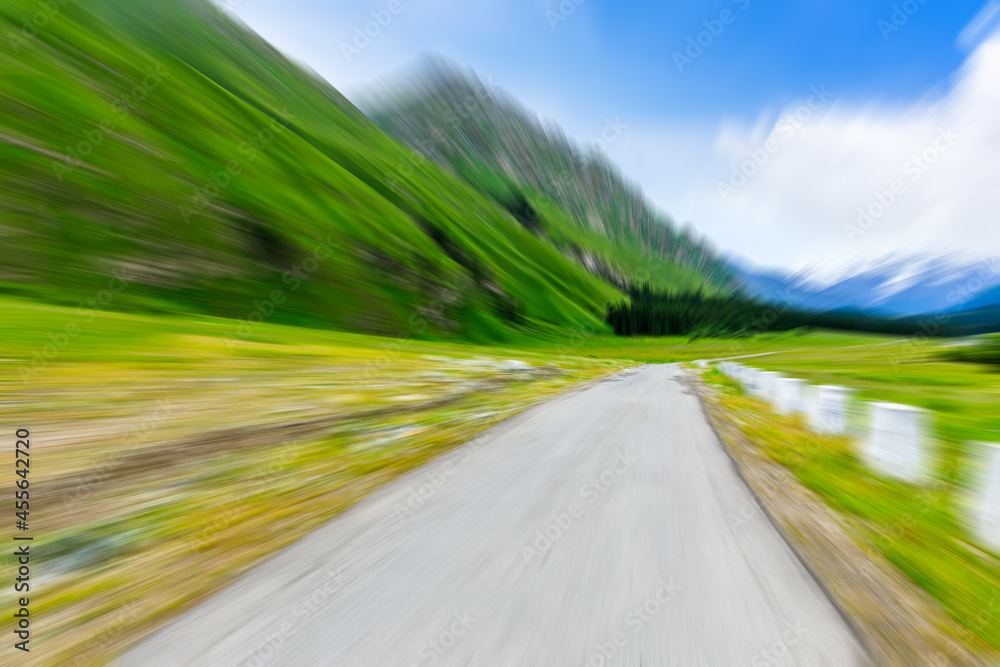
[(570, 196), (159, 156)]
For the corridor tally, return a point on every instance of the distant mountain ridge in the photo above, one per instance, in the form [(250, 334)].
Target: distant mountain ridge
[(895, 286), (573, 197)]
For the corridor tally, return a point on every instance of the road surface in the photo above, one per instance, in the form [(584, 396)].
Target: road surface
[(606, 527)]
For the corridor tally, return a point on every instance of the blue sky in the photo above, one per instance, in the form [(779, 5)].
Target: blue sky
[(892, 90)]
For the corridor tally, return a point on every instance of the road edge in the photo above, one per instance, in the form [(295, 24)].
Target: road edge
[(899, 622), (688, 377)]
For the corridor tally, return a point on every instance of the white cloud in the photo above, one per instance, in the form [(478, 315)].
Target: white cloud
[(800, 205), (980, 25)]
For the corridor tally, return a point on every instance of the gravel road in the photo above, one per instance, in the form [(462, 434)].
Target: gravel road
[(606, 527)]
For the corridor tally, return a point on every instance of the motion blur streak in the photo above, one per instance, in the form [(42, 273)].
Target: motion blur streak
[(236, 309), (594, 530)]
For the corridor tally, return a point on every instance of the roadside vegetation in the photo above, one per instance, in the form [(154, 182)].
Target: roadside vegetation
[(168, 459), (924, 531), (980, 350), (173, 453)]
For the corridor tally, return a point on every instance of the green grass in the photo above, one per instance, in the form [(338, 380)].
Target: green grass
[(963, 397), (669, 349), (131, 535), (170, 454), (924, 530), (146, 200)]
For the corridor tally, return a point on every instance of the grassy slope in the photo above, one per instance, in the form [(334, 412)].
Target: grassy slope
[(586, 207), (628, 259), (143, 200)]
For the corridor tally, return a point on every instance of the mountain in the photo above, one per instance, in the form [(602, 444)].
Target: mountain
[(573, 198), (988, 297), (894, 287), (160, 156)]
